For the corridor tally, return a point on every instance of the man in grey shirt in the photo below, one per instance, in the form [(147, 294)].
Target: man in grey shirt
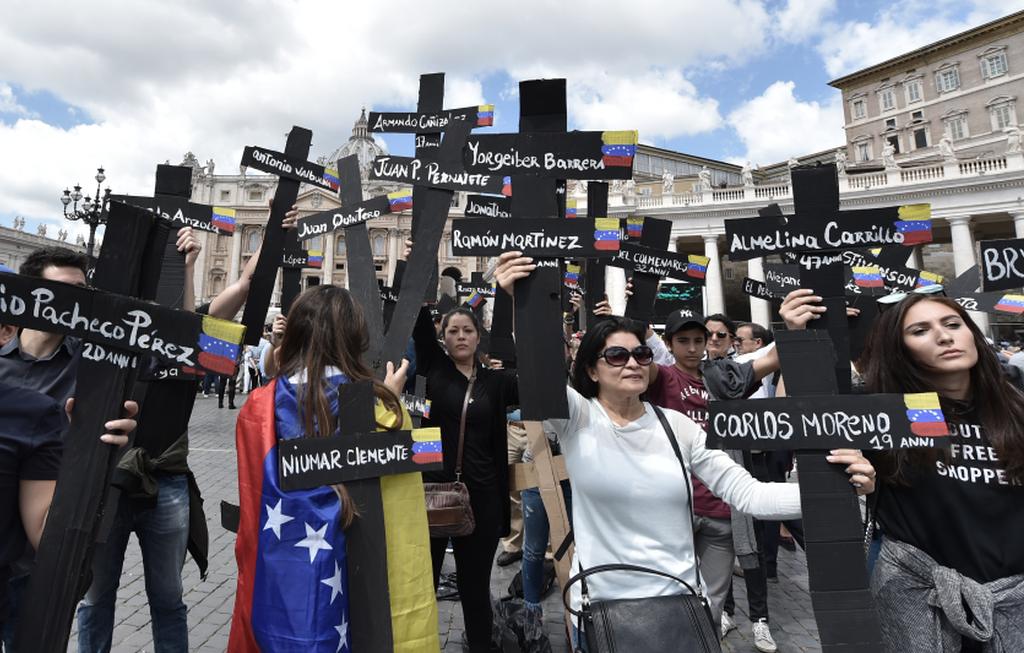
[(37, 360)]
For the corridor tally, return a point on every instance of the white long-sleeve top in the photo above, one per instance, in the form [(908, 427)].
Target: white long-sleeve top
[(629, 501)]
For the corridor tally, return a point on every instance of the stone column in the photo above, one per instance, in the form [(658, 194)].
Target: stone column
[(963, 257), (394, 251), (236, 256), (1018, 224), (714, 294), (327, 273), (760, 310)]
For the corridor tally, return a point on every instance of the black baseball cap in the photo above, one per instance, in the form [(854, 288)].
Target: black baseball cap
[(681, 319)]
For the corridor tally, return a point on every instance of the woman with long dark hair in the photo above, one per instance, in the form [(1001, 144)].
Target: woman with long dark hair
[(470, 398), (950, 575), (626, 460), (324, 340)]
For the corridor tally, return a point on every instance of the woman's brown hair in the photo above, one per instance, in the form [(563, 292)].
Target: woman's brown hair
[(891, 368), (326, 328)]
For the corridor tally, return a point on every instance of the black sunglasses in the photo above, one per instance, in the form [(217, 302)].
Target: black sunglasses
[(722, 335), (888, 301), (619, 356)]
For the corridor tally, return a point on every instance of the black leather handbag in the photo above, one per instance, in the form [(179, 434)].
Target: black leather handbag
[(658, 624)]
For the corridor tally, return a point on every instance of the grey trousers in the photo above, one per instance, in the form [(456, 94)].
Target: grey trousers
[(712, 540)]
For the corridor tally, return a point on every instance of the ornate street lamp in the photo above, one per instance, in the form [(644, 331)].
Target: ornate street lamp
[(93, 211)]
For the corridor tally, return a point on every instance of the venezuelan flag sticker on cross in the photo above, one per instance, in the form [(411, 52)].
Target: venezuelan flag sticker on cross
[(925, 414), (426, 446), (607, 234), (223, 218), (219, 344), (634, 227), (867, 276), (1011, 304)]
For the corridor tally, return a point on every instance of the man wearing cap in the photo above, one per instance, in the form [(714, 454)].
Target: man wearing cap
[(686, 386)]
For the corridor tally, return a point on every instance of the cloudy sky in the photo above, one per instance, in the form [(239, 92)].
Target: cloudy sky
[(128, 85)]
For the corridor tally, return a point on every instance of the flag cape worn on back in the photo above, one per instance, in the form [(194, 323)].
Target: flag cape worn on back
[(292, 566)]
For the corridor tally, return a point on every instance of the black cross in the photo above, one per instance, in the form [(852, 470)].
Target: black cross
[(115, 329), (843, 606)]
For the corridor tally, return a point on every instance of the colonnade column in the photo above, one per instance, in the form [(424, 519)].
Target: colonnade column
[(327, 273), (963, 257), (1018, 224), (713, 293)]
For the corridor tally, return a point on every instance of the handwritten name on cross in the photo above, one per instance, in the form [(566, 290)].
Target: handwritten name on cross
[(114, 327)]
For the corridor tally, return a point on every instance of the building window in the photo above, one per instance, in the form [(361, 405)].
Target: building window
[(993, 65), (890, 123), (947, 79), (859, 109), (379, 244), (863, 150), (225, 196), (255, 194), (894, 140), (914, 91), (886, 99), (956, 127), (340, 248), (916, 115), (920, 138), (1003, 112), (252, 241)]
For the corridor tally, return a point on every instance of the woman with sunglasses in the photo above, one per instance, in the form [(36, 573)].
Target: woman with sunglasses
[(950, 574), (630, 496)]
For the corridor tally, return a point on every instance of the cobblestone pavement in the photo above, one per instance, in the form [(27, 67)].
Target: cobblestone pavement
[(210, 602)]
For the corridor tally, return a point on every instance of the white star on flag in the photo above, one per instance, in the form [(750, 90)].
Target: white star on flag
[(315, 541), (334, 582), (275, 519), (343, 633)]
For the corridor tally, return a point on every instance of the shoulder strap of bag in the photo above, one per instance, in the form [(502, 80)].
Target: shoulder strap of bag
[(686, 478), (462, 424)]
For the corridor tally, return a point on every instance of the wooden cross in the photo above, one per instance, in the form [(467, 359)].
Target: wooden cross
[(843, 606), (293, 169), (115, 329), (170, 201)]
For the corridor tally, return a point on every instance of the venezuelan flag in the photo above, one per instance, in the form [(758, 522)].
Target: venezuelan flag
[(1011, 304), (915, 223), (219, 344), (925, 414), (426, 408), (697, 266), (634, 227), (572, 275), (570, 208), (315, 258), (223, 218), (400, 200), (331, 177), (485, 115), (506, 188), (928, 279), (476, 300), (618, 148), (867, 276), (426, 443), (607, 234)]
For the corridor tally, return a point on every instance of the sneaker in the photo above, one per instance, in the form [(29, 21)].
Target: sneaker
[(762, 637), (727, 624)]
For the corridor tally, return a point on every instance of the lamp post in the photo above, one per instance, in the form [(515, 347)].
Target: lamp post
[(93, 211)]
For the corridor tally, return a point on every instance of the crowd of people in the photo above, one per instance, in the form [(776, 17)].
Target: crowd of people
[(946, 546)]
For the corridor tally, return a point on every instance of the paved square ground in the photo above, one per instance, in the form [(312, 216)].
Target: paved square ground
[(210, 602)]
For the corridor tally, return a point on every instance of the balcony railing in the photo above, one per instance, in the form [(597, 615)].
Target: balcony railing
[(947, 171)]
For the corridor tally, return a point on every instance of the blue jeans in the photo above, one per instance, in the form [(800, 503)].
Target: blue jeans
[(163, 537), (535, 543)]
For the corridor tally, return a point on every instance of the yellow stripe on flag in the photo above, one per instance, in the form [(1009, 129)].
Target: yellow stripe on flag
[(484, 108), (223, 210), (698, 259), (628, 137), (915, 212), (606, 224), (426, 435), (223, 329), (866, 269), (922, 401)]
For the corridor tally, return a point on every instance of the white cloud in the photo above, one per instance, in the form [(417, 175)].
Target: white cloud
[(777, 125), (851, 45), (164, 78), (799, 20)]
